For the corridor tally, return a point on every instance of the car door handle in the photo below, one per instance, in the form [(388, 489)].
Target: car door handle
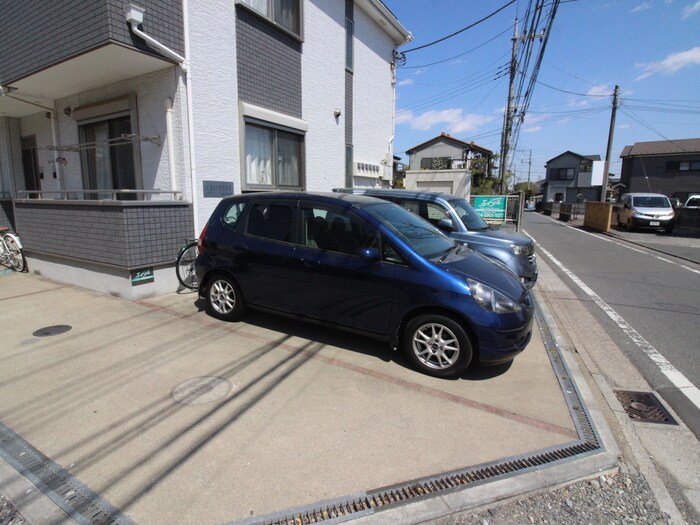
[(311, 263)]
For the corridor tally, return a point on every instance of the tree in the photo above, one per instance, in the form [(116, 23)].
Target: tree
[(529, 188), (484, 182)]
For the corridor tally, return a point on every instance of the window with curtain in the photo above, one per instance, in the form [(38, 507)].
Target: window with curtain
[(262, 169), (284, 13)]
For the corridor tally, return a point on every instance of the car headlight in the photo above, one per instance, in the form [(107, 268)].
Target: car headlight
[(491, 300), (520, 249)]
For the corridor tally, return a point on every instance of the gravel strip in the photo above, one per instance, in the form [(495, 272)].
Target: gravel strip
[(9, 514), (619, 499)]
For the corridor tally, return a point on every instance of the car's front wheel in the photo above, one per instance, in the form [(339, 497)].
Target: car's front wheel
[(437, 345), (224, 298)]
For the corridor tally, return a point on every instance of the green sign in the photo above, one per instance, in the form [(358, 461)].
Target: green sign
[(142, 276), (490, 207)]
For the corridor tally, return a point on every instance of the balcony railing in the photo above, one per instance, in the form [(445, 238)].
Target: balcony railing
[(110, 194)]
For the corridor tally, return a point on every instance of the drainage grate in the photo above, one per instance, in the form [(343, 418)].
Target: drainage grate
[(75, 499), (52, 330), (357, 505), (644, 407)]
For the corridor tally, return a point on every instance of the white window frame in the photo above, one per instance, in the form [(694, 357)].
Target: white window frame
[(273, 121), (269, 15)]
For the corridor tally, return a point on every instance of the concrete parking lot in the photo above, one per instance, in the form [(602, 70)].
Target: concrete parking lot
[(166, 415)]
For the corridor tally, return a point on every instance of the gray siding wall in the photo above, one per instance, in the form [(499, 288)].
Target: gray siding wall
[(660, 180), (125, 235), (269, 65), (35, 34)]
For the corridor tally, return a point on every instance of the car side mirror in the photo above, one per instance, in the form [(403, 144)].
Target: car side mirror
[(445, 225), (370, 255)]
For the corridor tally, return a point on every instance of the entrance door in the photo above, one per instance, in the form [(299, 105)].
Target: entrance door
[(30, 165)]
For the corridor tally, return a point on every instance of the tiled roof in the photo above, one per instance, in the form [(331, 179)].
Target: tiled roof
[(662, 147)]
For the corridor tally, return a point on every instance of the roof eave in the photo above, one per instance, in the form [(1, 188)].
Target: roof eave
[(378, 12)]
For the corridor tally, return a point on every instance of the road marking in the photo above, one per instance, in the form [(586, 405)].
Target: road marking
[(618, 243), (677, 378), (665, 260), (690, 269)]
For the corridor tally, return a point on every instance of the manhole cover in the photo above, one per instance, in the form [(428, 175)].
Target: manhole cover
[(644, 407), (52, 330), (201, 390)]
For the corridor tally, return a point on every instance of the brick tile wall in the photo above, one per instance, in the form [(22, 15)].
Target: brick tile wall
[(126, 235)]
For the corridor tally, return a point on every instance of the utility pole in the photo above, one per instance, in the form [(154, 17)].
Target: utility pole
[(529, 167), (611, 132), (508, 114), (510, 111)]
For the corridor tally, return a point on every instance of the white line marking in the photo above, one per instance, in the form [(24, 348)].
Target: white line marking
[(622, 244), (666, 368), (690, 269), (665, 260)]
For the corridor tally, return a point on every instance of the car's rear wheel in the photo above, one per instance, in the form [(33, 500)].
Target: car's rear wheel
[(224, 298), (437, 345)]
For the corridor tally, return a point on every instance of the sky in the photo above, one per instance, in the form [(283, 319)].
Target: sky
[(650, 48)]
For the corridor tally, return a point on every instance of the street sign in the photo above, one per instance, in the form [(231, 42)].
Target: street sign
[(490, 207)]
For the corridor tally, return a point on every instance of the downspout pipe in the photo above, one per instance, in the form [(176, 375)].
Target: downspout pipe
[(134, 16)]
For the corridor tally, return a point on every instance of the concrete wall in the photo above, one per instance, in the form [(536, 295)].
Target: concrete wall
[(456, 182), (214, 99), (324, 90), (372, 94)]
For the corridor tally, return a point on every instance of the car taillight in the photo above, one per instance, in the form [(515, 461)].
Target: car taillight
[(201, 238)]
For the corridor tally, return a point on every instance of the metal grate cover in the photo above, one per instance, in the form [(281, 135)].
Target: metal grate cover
[(644, 407), (75, 499)]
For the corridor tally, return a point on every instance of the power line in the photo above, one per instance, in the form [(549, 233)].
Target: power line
[(459, 31), (461, 54), (573, 92)]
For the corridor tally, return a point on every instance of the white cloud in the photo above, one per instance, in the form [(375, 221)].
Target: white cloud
[(671, 64), (406, 82), (533, 129), (624, 126), (452, 120), (642, 7), (691, 9)]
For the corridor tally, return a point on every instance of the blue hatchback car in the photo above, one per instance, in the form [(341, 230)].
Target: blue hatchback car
[(365, 265)]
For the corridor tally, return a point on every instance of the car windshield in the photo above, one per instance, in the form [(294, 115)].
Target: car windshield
[(416, 232), (651, 201), (471, 219)]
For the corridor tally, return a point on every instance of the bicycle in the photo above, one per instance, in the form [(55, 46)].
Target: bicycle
[(11, 254), (184, 265)]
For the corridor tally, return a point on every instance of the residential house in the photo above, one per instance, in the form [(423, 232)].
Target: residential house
[(571, 177), (444, 164), (671, 167), (122, 125)]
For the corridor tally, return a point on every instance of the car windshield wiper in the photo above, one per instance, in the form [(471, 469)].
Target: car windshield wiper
[(457, 248)]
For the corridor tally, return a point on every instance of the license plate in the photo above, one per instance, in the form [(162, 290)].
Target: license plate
[(653, 223)]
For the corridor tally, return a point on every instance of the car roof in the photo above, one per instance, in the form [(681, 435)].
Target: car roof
[(647, 195), (408, 194), (352, 199)]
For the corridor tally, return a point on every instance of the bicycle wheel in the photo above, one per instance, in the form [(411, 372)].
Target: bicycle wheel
[(16, 257), (184, 266)]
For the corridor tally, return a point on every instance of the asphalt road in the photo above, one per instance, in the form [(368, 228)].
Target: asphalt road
[(656, 295)]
